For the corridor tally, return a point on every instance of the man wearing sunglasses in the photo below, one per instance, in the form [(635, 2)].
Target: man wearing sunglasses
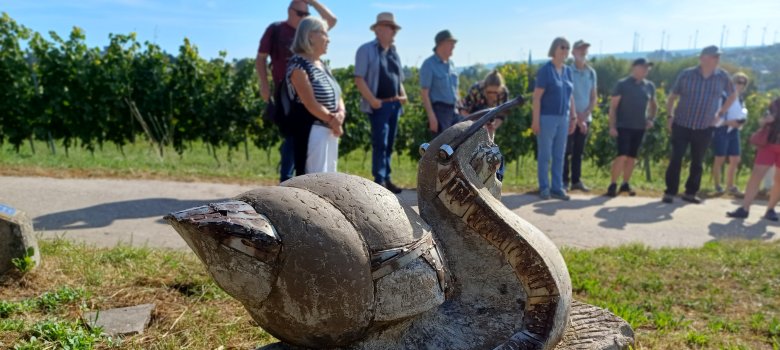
[(275, 43), (379, 78)]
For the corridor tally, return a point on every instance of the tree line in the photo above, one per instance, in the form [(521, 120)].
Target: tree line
[(61, 91)]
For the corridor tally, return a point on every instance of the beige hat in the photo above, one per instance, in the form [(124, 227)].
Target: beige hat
[(385, 18)]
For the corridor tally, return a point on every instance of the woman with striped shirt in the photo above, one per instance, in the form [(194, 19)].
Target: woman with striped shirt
[(317, 109)]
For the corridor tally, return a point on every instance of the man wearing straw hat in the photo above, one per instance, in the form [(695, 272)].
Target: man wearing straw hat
[(379, 78)]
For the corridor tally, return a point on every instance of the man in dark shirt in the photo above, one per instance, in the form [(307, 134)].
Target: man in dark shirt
[(379, 77), (276, 42), (629, 117)]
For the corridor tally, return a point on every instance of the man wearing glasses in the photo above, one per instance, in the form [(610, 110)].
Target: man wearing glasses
[(700, 91), (379, 78), (275, 43)]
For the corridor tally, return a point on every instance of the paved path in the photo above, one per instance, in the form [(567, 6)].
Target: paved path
[(105, 212)]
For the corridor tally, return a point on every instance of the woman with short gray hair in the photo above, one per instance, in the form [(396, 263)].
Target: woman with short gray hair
[(317, 109), (553, 118)]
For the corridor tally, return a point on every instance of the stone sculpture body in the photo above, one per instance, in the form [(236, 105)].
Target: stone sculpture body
[(335, 261)]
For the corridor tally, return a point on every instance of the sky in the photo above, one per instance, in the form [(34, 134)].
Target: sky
[(488, 31)]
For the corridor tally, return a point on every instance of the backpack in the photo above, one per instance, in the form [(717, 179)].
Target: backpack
[(278, 107)]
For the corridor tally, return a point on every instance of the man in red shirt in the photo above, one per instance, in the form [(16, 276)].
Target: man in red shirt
[(276, 42)]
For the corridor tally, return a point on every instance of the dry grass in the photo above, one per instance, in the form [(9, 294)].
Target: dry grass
[(173, 280)]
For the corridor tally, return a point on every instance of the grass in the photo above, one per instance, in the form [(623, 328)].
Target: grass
[(725, 295), (42, 309), (140, 161)]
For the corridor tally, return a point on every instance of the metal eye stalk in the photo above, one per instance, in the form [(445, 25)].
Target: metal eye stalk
[(423, 148), (445, 153)]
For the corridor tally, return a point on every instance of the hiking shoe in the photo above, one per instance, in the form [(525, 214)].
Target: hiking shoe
[(771, 215), (580, 186), (392, 187), (668, 198), (544, 194), (740, 213), (625, 187), (612, 190), (691, 198), (560, 195), (734, 191), (719, 189)]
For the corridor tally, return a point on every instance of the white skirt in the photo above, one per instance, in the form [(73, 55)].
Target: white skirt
[(322, 154)]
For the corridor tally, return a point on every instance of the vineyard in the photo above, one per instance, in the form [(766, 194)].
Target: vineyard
[(60, 93)]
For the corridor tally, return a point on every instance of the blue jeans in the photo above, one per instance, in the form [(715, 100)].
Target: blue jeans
[(551, 145), (384, 126), (287, 151), (445, 115), (500, 171)]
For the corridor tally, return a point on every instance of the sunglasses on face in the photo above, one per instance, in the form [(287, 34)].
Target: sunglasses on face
[(741, 82), (301, 13), (564, 47), (392, 27)]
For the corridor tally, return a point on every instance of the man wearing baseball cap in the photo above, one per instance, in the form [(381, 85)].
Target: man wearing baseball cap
[(632, 111), (379, 78), (585, 98), (439, 84), (692, 121)]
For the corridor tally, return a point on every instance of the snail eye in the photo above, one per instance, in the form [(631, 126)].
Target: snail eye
[(423, 148), (445, 153)]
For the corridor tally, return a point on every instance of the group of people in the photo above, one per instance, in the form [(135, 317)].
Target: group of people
[(703, 104), (314, 111), (704, 107)]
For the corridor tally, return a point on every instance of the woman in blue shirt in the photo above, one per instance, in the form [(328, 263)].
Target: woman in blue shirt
[(553, 118)]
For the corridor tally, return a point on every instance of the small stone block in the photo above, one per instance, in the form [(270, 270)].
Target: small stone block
[(17, 238), (122, 321)]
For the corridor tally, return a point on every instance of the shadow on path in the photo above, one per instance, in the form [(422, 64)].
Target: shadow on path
[(550, 207), (650, 213), (517, 200), (103, 215), (736, 229)]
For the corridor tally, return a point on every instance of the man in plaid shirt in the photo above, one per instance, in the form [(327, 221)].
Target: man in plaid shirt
[(701, 91)]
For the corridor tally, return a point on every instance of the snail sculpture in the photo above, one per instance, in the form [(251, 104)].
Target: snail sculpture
[(335, 261)]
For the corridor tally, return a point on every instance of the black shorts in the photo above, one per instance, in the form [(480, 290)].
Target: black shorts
[(628, 141)]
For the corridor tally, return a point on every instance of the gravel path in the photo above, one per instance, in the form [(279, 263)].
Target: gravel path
[(105, 212)]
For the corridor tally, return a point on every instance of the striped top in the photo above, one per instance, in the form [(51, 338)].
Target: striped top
[(326, 89), (700, 98)]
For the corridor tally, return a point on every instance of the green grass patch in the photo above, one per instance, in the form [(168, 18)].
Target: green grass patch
[(198, 164), (720, 296), (714, 297)]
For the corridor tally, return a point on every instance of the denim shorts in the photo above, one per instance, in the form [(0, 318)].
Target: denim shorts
[(725, 143)]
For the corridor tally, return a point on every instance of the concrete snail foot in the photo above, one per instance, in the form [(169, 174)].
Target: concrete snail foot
[(591, 328)]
